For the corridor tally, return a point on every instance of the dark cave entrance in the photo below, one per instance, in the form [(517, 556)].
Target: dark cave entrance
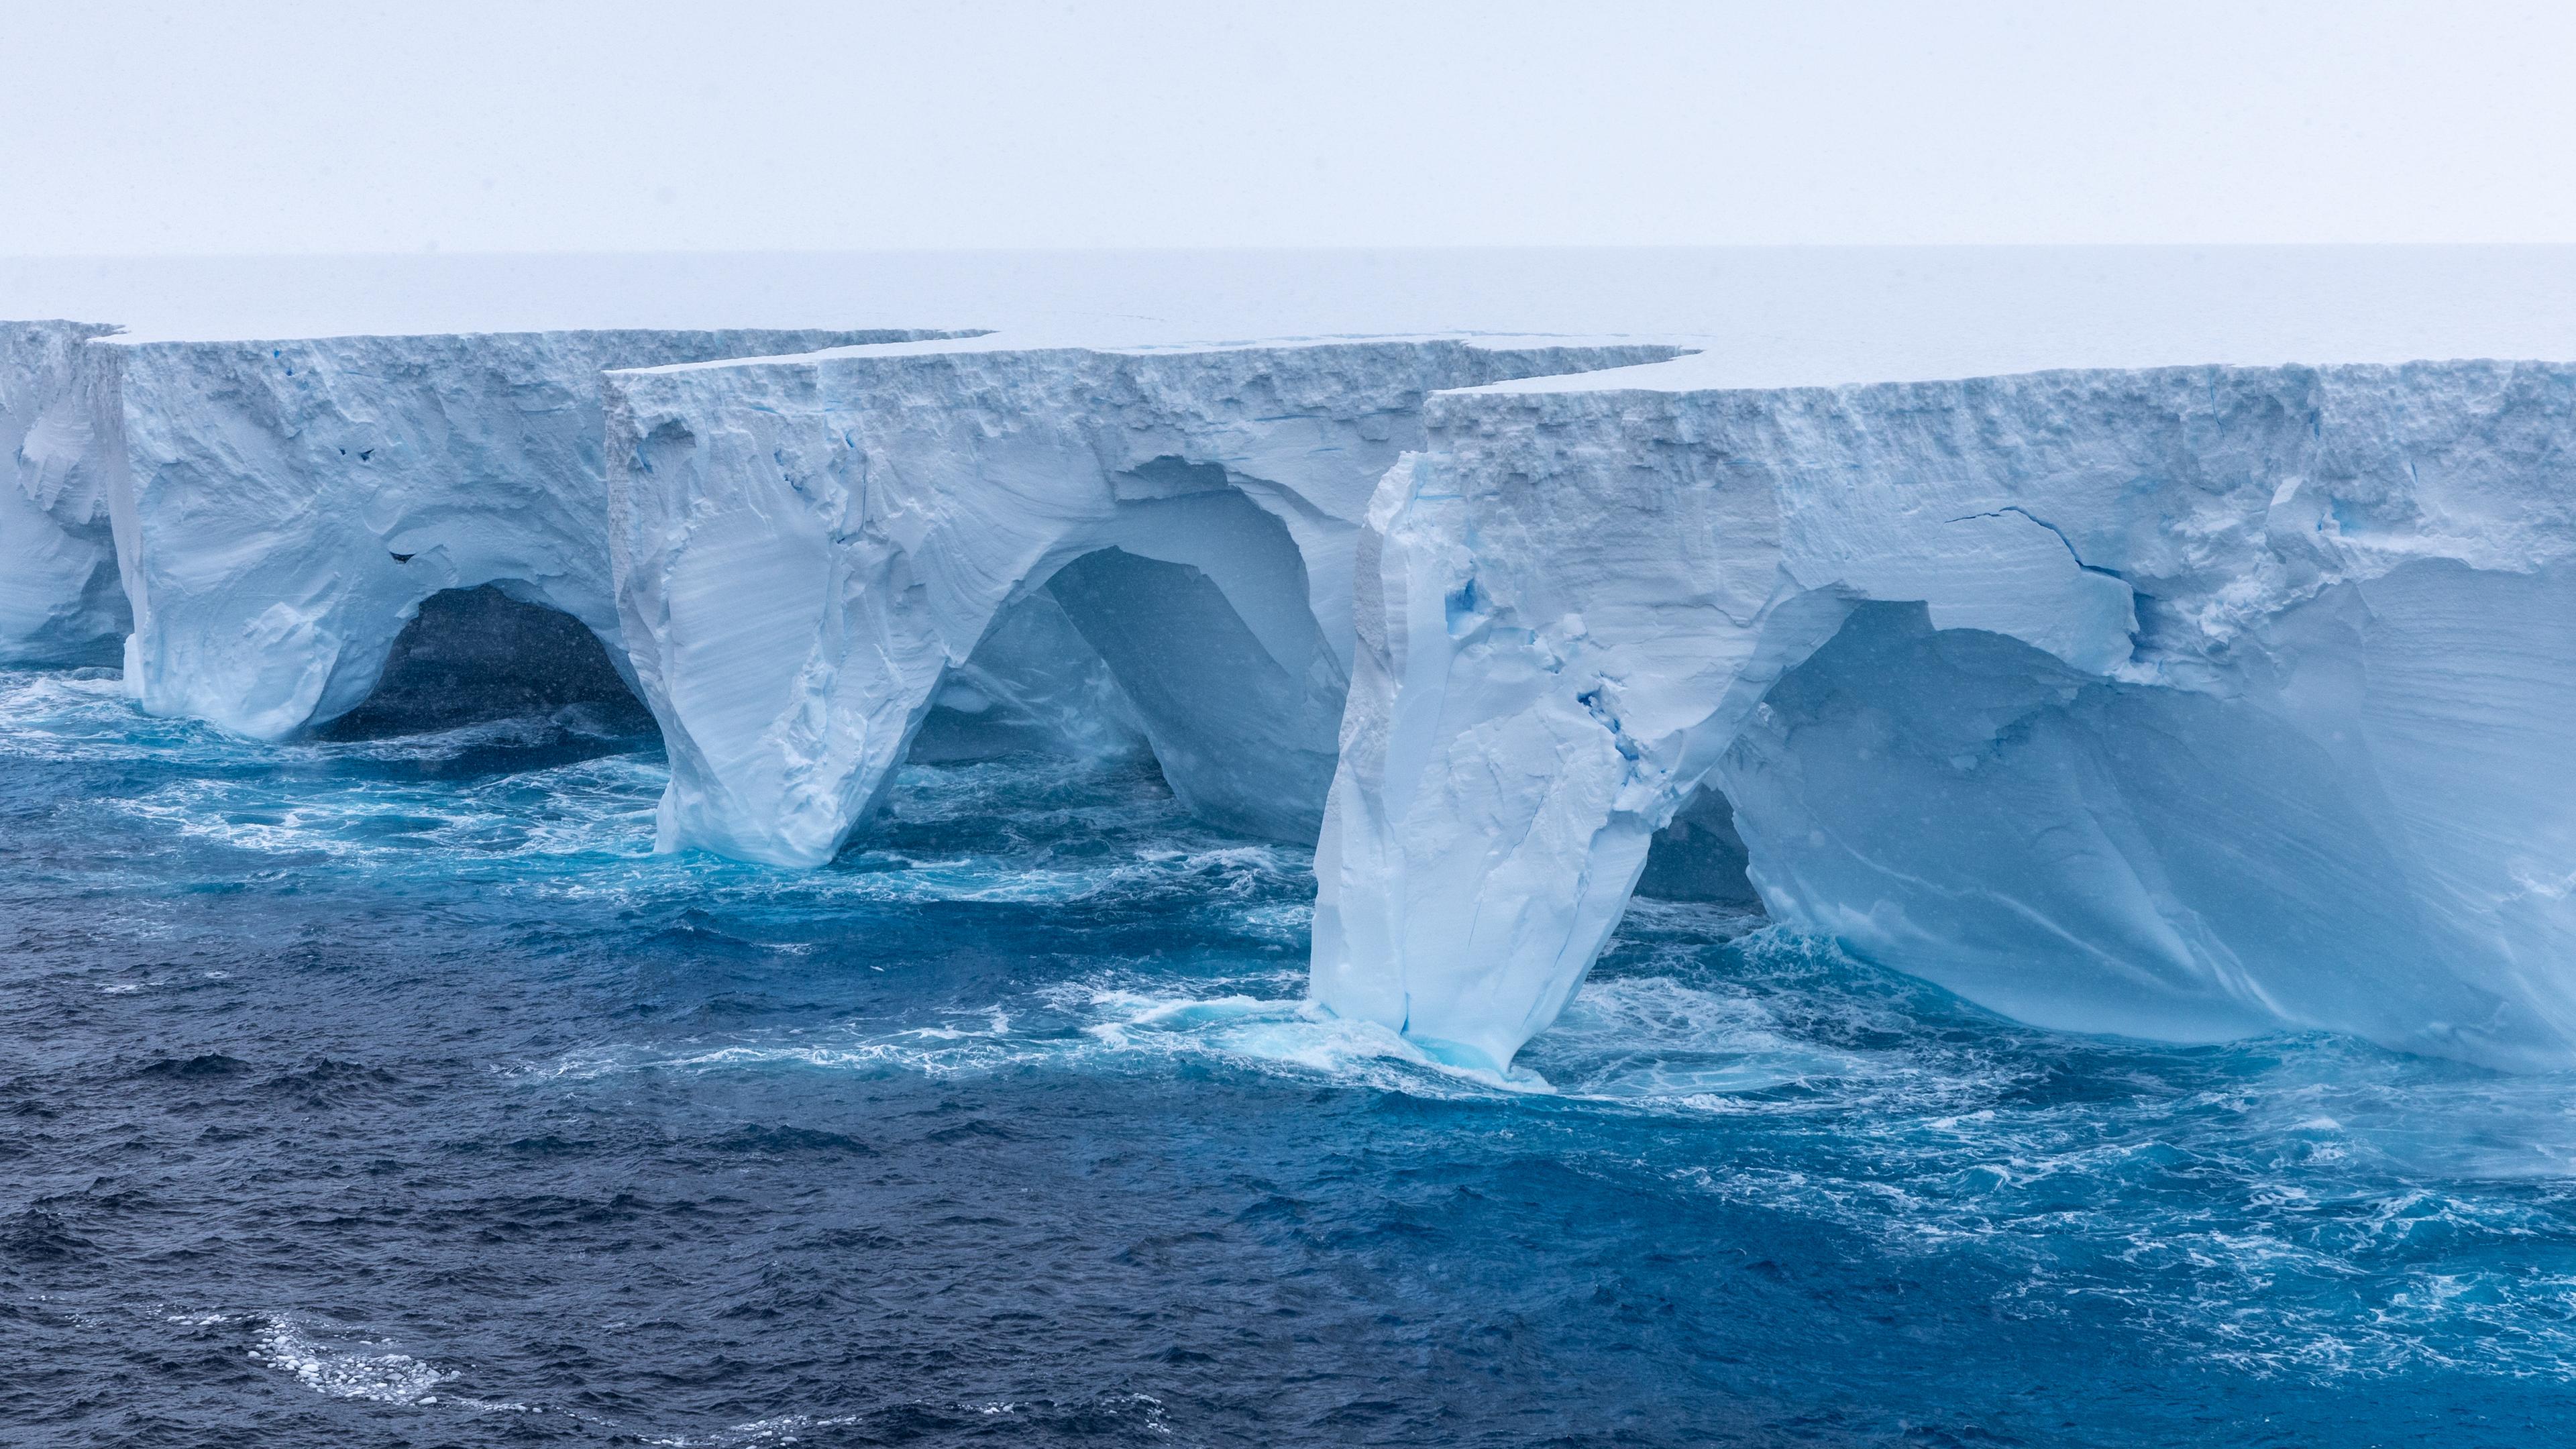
[(1700, 856), (473, 655)]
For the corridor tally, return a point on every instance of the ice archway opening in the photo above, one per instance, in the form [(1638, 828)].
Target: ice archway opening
[(1200, 614), (1170, 609), (1182, 628), (483, 653), (1701, 856)]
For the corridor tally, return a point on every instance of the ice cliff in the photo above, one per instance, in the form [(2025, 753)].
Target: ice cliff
[(59, 600), (282, 508), (1190, 512), (2182, 703)]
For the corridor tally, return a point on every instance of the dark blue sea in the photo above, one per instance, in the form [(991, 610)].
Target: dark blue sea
[(390, 1092)]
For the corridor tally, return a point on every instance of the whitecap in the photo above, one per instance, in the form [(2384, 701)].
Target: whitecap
[(382, 1376)]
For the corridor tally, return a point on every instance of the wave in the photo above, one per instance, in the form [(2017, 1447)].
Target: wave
[(2306, 1206), (2299, 1205), (382, 1376), (1114, 1023)]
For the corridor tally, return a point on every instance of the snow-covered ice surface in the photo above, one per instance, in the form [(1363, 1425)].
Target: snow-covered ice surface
[(283, 507), (2185, 703), (1775, 317), (1191, 510)]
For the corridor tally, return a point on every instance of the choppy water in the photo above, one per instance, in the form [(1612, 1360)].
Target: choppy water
[(391, 1093)]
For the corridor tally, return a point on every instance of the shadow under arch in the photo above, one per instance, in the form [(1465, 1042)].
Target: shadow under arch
[(1186, 629), (1700, 856), (476, 654)]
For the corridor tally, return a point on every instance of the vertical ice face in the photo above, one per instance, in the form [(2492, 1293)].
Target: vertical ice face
[(283, 508), (808, 548), (59, 601), (2182, 703)]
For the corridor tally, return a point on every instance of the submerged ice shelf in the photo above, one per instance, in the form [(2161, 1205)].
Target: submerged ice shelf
[(2183, 702)]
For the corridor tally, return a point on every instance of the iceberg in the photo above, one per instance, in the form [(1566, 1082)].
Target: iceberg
[(809, 551), (59, 600), (2178, 701), (2184, 703), (283, 508)]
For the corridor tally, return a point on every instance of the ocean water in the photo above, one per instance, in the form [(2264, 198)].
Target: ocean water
[(390, 1092)]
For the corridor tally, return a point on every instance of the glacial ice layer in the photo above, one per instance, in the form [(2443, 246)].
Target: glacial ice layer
[(282, 509), (2183, 703), (59, 599), (935, 524)]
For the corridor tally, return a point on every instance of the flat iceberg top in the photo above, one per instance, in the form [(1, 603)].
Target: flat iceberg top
[(1017, 343), (1704, 367), (581, 337), (1767, 317)]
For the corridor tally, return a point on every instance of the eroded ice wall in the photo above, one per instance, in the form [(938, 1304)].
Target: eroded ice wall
[(283, 508), (59, 600), (807, 548), (2183, 703)]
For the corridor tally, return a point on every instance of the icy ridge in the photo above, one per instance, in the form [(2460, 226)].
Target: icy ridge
[(59, 600), (2187, 703), (1192, 509), (282, 508)]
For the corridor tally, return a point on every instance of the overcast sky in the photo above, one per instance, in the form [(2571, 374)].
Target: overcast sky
[(639, 126)]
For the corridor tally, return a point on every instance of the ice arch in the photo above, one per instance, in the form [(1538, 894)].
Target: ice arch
[(282, 508), (2362, 838), (1202, 657), (2181, 703), (808, 547)]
